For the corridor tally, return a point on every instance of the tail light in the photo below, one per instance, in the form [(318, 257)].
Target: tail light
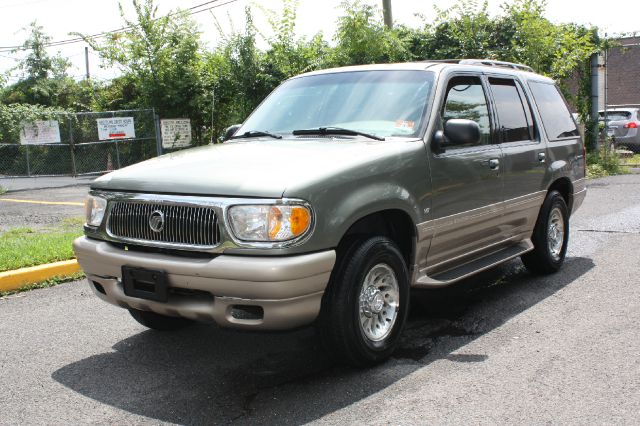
[(631, 125)]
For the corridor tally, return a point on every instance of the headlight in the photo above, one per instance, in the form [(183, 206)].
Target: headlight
[(269, 223), (94, 208)]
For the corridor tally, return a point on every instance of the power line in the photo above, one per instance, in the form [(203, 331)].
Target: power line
[(123, 29)]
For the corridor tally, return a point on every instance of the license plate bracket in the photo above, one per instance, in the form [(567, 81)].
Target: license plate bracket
[(145, 283)]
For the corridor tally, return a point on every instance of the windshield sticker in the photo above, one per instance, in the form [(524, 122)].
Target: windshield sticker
[(404, 124)]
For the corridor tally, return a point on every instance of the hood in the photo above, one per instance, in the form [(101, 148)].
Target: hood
[(254, 168)]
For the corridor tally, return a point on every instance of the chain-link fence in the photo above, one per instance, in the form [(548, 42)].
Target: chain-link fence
[(90, 143)]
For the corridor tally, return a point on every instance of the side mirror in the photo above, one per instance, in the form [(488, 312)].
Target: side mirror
[(456, 132), (231, 130)]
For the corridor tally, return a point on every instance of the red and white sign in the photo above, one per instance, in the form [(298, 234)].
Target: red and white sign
[(115, 128)]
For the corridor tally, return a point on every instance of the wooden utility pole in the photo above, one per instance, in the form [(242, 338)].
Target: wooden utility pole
[(86, 60), (388, 17)]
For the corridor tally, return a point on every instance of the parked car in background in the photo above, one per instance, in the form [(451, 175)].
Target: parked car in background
[(622, 125)]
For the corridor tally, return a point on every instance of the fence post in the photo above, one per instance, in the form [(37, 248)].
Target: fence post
[(156, 118), (72, 147), (26, 150)]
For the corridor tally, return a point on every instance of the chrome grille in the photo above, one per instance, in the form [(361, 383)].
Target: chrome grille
[(184, 225)]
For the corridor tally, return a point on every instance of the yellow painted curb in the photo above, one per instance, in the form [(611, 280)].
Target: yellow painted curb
[(13, 280)]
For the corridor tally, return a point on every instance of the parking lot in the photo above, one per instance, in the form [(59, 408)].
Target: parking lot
[(504, 347)]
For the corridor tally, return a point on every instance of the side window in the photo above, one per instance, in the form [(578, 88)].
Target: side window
[(465, 99), (556, 119), (514, 117)]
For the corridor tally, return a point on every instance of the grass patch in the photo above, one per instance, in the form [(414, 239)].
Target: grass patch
[(45, 284), (634, 160), (23, 247), (3, 190)]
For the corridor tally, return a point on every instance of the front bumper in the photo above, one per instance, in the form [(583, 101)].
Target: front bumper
[(288, 289)]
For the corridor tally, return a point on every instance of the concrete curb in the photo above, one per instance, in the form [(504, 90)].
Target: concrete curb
[(13, 280)]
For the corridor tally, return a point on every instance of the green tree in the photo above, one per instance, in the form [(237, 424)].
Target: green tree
[(161, 62), (44, 79), (362, 37)]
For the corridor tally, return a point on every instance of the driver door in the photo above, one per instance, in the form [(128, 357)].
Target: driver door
[(467, 181)]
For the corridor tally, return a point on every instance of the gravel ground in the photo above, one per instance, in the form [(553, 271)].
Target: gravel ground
[(504, 347)]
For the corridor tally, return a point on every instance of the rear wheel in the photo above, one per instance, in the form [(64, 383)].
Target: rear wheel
[(550, 236), (159, 322), (365, 306)]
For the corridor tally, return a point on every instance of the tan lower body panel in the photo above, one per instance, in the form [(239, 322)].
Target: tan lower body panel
[(288, 289), (455, 240)]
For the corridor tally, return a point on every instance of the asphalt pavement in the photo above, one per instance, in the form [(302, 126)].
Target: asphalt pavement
[(504, 347), (41, 207)]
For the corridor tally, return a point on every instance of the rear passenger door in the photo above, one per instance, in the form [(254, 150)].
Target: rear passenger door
[(524, 156), (467, 181)]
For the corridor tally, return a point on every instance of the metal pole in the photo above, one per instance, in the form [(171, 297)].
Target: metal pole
[(26, 148), (606, 99), (595, 129), (86, 60), (72, 147), (156, 118), (388, 17)]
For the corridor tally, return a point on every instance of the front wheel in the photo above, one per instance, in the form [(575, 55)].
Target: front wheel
[(366, 303), (550, 236)]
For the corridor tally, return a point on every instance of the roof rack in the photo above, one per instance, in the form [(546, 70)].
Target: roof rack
[(485, 62)]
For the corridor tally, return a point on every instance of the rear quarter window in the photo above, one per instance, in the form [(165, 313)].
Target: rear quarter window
[(556, 118)]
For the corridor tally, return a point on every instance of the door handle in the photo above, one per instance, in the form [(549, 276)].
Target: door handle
[(542, 157), (494, 164)]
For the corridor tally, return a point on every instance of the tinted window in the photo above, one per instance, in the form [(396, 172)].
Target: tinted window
[(515, 123), (466, 100), (556, 118)]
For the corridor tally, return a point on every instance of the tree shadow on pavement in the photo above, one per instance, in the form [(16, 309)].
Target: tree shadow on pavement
[(209, 375)]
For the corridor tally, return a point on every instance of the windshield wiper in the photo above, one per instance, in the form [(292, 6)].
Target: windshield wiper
[(335, 131), (255, 134)]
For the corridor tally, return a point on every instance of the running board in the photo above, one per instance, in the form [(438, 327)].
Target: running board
[(451, 276)]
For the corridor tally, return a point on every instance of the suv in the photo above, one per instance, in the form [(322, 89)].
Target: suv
[(342, 191), (622, 126)]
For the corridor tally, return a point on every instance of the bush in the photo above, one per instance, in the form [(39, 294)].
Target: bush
[(605, 162)]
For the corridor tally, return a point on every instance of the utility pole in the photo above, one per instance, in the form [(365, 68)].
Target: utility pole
[(86, 60), (388, 17)]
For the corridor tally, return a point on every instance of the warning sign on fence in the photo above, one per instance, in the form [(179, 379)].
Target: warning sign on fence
[(115, 128), (176, 133), (39, 132)]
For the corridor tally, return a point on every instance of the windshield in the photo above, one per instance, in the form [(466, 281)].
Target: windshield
[(381, 103)]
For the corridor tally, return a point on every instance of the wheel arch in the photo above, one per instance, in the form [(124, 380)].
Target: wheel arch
[(395, 224), (564, 186)]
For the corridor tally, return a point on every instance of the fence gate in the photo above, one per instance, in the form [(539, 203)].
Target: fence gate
[(90, 143)]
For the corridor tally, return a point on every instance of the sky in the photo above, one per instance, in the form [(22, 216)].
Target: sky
[(61, 17)]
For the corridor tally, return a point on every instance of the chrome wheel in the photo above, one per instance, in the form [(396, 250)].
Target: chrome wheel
[(555, 233), (379, 302)]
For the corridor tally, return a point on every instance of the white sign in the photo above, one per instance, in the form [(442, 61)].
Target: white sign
[(176, 133), (115, 128), (39, 132)]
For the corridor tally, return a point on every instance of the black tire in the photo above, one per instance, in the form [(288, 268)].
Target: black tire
[(159, 322), (339, 323), (542, 259)]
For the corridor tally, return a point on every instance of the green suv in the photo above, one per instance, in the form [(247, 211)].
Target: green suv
[(342, 191)]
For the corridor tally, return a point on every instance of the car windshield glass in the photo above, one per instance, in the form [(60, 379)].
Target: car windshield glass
[(616, 115), (381, 103)]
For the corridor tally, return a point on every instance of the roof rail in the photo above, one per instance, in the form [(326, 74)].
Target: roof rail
[(485, 62)]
